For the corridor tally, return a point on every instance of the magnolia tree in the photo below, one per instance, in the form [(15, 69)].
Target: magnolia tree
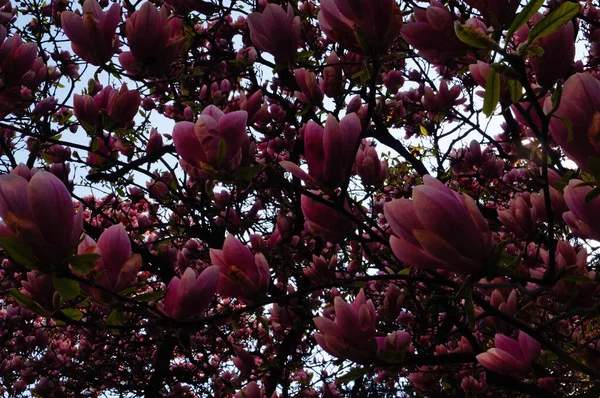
[(334, 198)]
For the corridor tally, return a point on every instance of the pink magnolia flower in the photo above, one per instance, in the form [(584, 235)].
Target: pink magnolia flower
[(361, 25), (550, 66), (120, 106), (252, 390), (92, 35), (506, 305), (117, 267), (329, 151), (371, 170), (244, 275), (155, 142), (580, 104), (439, 229), (432, 33), (184, 7), (154, 40), (352, 334), (39, 287), (190, 295), (333, 79), (198, 144), (496, 12), (310, 87), (583, 218), (521, 216), (39, 213), (511, 357), (324, 221), (277, 32), (444, 99), (22, 71)]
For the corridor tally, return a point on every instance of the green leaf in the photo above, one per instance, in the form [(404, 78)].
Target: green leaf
[(245, 173), (20, 298), (115, 318), (536, 51), (492, 93), (18, 251), (83, 263), (554, 20), (525, 15), (72, 313), (26, 302), (593, 194), (555, 98), (505, 70), (594, 164), (67, 288), (577, 279), (148, 297), (515, 89), (473, 37), (405, 271), (353, 375)]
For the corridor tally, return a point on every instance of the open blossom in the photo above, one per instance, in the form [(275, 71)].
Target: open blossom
[(93, 34), (244, 275), (352, 334), (198, 144), (439, 229), (511, 357), (329, 151), (580, 104), (154, 40), (190, 295), (521, 216), (39, 213), (583, 218), (277, 32), (117, 267), (361, 25)]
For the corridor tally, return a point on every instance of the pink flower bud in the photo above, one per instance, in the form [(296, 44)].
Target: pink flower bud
[(117, 267), (583, 218), (40, 213), (361, 26), (371, 170), (155, 142), (310, 87), (580, 103), (277, 32), (153, 40), (549, 67)]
